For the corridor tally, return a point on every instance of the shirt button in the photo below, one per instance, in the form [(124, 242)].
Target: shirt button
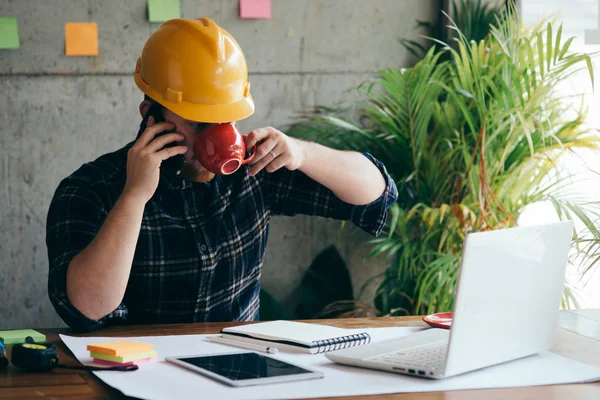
[(203, 248)]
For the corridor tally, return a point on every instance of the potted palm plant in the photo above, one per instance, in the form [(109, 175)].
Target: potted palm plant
[(471, 135)]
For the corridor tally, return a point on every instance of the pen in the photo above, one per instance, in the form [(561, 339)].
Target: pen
[(250, 346)]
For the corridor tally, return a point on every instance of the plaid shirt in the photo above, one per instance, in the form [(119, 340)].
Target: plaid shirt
[(201, 246)]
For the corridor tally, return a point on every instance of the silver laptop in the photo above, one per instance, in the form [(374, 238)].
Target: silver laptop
[(506, 307)]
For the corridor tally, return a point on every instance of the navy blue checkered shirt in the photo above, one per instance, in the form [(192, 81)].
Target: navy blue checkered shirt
[(201, 246)]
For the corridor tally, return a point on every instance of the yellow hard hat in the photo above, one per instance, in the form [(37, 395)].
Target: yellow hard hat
[(196, 69)]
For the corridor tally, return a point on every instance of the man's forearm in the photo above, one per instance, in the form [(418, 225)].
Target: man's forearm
[(352, 177), (97, 277)]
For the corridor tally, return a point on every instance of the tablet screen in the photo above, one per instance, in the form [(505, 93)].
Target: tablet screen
[(241, 366)]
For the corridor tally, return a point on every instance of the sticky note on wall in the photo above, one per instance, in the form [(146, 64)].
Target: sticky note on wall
[(9, 33), (81, 39), (163, 10), (257, 9)]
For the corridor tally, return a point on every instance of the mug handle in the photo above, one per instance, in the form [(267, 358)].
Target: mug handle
[(247, 160)]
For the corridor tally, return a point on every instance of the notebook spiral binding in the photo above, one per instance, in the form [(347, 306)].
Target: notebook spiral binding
[(342, 342)]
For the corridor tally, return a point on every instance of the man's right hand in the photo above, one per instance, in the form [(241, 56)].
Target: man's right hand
[(145, 157)]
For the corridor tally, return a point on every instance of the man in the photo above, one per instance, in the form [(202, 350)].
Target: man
[(129, 244)]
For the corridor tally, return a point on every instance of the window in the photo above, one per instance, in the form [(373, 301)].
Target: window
[(576, 16)]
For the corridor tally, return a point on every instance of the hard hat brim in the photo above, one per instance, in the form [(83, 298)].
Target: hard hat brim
[(210, 113)]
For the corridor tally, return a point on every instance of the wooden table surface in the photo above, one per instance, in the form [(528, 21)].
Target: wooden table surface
[(73, 384)]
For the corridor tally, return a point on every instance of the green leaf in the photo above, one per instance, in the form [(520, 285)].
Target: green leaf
[(464, 93), (588, 61), (565, 48), (557, 43), (540, 47), (549, 38)]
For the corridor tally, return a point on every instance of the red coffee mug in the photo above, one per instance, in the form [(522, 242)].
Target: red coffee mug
[(221, 149)]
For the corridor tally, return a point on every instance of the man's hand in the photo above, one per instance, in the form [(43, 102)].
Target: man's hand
[(144, 159), (275, 150)]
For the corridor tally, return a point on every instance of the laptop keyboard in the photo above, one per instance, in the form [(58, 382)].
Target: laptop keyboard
[(429, 357)]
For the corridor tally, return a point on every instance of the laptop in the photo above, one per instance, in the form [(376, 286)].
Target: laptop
[(506, 307)]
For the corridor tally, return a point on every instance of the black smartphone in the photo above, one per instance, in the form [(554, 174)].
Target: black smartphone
[(172, 166)]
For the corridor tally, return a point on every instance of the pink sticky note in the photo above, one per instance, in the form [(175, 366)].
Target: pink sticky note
[(259, 9), (136, 362)]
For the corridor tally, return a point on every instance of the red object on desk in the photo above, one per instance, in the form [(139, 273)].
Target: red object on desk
[(439, 320)]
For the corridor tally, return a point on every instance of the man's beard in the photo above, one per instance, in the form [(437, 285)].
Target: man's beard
[(194, 171)]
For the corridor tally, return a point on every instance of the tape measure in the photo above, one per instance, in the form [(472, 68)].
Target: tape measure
[(40, 357), (35, 357)]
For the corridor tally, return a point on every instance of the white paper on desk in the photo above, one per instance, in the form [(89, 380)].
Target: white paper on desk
[(163, 380)]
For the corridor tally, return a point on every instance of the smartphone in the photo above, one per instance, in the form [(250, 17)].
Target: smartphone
[(171, 167)]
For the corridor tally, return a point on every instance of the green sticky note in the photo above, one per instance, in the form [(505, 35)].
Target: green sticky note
[(9, 33), (163, 10), (18, 336)]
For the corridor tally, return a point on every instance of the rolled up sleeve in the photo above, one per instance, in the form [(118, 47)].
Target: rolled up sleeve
[(292, 192), (74, 218)]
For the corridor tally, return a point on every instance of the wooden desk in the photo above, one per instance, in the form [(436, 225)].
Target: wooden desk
[(72, 384)]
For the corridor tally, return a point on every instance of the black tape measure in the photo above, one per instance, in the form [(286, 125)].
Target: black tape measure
[(40, 357), (35, 357)]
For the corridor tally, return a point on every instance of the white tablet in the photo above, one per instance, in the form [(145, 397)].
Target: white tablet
[(245, 369)]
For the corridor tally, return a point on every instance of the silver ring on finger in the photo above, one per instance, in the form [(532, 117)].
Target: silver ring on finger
[(272, 153)]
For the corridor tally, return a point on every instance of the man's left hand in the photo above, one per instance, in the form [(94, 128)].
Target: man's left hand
[(275, 150)]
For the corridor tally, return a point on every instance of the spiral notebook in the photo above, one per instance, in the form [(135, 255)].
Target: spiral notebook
[(297, 336)]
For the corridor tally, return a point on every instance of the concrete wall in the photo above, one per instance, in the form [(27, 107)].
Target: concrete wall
[(57, 112)]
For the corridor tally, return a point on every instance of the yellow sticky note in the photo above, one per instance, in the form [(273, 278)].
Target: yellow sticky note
[(81, 39), (120, 347), (125, 358)]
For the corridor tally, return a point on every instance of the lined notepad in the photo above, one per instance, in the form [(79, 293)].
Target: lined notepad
[(299, 336)]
